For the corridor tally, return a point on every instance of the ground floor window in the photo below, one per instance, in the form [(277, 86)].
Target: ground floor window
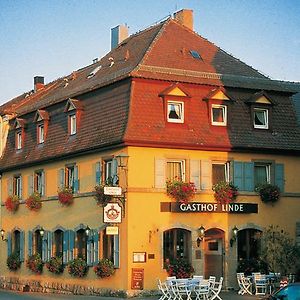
[(176, 244), (58, 239), (37, 243), (248, 244), (81, 244)]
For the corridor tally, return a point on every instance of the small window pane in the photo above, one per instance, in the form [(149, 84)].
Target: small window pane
[(41, 134), (72, 124), (219, 115), (261, 174), (218, 173), (19, 140), (175, 170), (175, 112), (261, 118)]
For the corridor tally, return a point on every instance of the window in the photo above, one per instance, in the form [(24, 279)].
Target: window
[(220, 172), (38, 243), (70, 179), (262, 174), (195, 54), (248, 244), (108, 247), (16, 242), (176, 170), (41, 133), (81, 244), (260, 118), (72, 124), (17, 186), (219, 115), (19, 143), (58, 238), (175, 112), (39, 185), (176, 243), (111, 172)]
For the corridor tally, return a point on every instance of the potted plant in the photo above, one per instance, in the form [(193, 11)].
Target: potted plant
[(77, 267), (55, 265), (180, 191), (269, 193), (13, 261), (179, 268), (225, 192), (33, 202), (35, 263), (100, 197), (104, 268), (12, 203), (65, 196)]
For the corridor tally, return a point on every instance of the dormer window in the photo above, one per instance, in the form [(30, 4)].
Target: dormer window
[(42, 119), (219, 115), (19, 133), (19, 143), (260, 118), (174, 98), (74, 110)]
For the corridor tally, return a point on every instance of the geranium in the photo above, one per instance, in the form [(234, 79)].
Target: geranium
[(33, 202), (65, 196), (55, 265), (35, 263), (104, 268), (12, 203), (13, 261), (100, 197), (77, 267), (225, 192), (180, 191), (179, 268), (268, 192)]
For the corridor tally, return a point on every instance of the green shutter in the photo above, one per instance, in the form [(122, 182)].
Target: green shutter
[(10, 186), (279, 176), (43, 183), (238, 171), (61, 178), (76, 179), (114, 172), (249, 176), (89, 244), (9, 244), (21, 188), (22, 244), (160, 173), (117, 251), (29, 243), (206, 175), (30, 184), (98, 172), (195, 172), (49, 245), (71, 244), (65, 246), (96, 245), (44, 246)]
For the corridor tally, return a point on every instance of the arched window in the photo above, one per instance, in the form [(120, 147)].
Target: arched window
[(177, 243), (58, 239), (81, 244), (37, 243), (16, 242), (248, 244)]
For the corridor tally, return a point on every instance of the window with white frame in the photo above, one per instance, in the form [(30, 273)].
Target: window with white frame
[(70, 177), (41, 133), (175, 112), (262, 173), (219, 115), (39, 185), (19, 143), (175, 169), (17, 185), (220, 172), (73, 127), (260, 118)]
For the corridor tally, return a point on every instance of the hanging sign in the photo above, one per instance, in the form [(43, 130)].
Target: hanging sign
[(113, 190), (112, 213), (112, 230)]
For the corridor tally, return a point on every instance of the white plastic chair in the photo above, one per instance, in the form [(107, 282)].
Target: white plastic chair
[(163, 288), (202, 290), (212, 280), (215, 291), (245, 284), (261, 284)]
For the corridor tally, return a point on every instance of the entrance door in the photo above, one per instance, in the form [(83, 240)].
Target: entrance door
[(213, 253)]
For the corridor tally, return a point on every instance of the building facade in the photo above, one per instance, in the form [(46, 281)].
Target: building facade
[(177, 107)]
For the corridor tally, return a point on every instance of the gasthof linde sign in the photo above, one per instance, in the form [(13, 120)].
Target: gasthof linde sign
[(203, 207)]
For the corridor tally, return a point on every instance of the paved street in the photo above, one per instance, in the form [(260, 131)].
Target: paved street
[(8, 295)]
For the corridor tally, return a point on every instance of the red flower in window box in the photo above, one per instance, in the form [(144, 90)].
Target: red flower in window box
[(65, 196), (12, 203), (225, 192), (35, 263), (180, 191), (268, 193), (179, 268), (55, 265), (33, 202), (104, 268)]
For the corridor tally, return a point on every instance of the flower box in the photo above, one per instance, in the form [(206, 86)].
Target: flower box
[(12, 203), (13, 262), (225, 192), (33, 202), (77, 267), (65, 196), (179, 268), (100, 197), (180, 191), (55, 265), (268, 193), (104, 268), (35, 263)]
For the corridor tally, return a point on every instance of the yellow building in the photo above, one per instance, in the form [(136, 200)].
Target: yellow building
[(154, 109)]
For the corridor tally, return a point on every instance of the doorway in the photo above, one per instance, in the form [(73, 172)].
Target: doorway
[(214, 253)]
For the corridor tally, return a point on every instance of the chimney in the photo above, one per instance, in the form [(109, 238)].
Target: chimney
[(38, 83), (118, 34), (185, 18)]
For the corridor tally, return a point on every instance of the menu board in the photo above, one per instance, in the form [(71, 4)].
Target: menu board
[(137, 279)]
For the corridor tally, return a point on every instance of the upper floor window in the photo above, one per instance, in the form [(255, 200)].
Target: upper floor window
[(74, 110), (17, 186), (39, 184), (19, 143), (72, 122), (262, 173), (260, 118), (175, 170), (175, 112), (41, 133), (42, 120), (219, 115), (69, 177), (111, 171), (220, 172), (19, 126)]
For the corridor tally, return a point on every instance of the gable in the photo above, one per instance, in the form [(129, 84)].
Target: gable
[(177, 92), (220, 96), (263, 99)]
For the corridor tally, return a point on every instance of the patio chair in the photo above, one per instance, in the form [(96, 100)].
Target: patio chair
[(199, 277), (180, 289), (163, 288), (261, 284), (202, 290), (211, 280), (245, 284), (215, 291)]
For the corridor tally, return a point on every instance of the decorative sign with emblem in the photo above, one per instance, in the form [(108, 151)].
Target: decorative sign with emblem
[(113, 190), (112, 213)]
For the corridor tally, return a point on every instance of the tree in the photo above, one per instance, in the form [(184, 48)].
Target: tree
[(279, 251)]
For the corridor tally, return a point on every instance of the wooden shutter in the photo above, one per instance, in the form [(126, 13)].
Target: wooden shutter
[(43, 183), (205, 175), (44, 246), (89, 246), (249, 176), (160, 173), (195, 173), (76, 179), (98, 172), (10, 186), (279, 176), (71, 244), (114, 171), (9, 244), (61, 178), (49, 245), (66, 246), (22, 244), (29, 243), (96, 247), (21, 187), (30, 184), (117, 251), (238, 178)]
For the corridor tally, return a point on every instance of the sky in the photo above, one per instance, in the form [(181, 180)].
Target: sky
[(52, 38)]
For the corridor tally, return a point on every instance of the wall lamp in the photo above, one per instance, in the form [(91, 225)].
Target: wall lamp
[(234, 235), (2, 232), (122, 159), (42, 231), (201, 233)]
